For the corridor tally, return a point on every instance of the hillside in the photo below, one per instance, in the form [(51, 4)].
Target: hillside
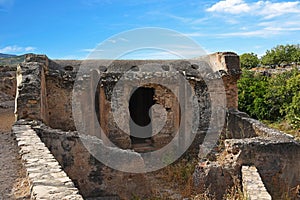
[(13, 60), (2, 55)]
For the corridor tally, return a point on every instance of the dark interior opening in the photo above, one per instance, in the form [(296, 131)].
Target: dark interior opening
[(139, 107)]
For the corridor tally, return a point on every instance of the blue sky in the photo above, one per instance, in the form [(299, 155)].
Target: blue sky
[(70, 29)]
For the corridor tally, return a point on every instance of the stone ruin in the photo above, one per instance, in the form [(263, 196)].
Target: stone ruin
[(264, 161)]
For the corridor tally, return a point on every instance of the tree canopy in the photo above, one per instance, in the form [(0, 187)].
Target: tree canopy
[(282, 54), (249, 60), (273, 98), (279, 55)]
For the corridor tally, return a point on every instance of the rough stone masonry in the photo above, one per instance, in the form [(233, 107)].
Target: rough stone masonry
[(44, 109)]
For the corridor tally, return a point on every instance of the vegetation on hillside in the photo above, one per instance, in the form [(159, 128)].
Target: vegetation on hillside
[(3, 55), (12, 61), (249, 60), (272, 98), (280, 55)]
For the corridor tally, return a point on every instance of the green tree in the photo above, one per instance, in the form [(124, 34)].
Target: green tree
[(252, 88), (292, 109), (277, 96), (269, 58), (249, 60), (271, 98), (296, 54), (281, 54)]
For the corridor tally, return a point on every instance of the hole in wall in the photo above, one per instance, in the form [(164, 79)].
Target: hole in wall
[(139, 107), (135, 68), (68, 68), (195, 66), (102, 68), (165, 67)]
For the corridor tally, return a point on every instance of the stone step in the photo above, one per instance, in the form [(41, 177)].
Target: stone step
[(143, 147)]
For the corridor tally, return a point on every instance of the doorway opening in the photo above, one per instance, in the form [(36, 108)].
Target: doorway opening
[(139, 107)]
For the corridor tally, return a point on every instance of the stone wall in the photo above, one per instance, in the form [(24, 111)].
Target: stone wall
[(228, 64), (277, 162), (60, 77), (92, 178), (48, 179), (8, 80), (31, 98), (253, 187), (162, 97), (7, 86), (59, 86), (240, 125), (45, 94), (275, 154)]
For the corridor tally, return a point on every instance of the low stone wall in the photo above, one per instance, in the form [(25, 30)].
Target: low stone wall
[(277, 162), (94, 179), (275, 154), (253, 187), (48, 179), (241, 125)]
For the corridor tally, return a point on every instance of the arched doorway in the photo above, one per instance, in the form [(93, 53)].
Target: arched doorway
[(139, 107)]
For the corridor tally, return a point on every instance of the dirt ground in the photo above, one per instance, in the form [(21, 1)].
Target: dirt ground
[(13, 181)]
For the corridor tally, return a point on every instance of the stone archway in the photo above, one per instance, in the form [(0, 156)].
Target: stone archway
[(140, 105)]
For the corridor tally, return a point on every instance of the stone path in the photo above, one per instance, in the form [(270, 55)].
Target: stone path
[(13, 181)]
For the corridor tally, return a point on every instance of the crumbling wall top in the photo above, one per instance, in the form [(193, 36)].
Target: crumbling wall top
[(226, 61)]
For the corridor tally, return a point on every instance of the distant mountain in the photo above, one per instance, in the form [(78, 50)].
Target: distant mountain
[(11, 60), (2, 55)]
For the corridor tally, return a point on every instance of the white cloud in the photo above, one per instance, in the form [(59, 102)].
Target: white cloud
[(283, 28), (256, 33), (17, 49), (267, 9), (230, 6), (270, 10), (179, 18), (10, 49), (92, 50), (120, 39), (264, 33), (30, 48), (282, 25)]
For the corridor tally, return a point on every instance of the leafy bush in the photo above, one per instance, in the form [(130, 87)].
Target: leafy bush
[(293, 109), (252, 89), (282, 54), (272, 98), (249, 60)]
